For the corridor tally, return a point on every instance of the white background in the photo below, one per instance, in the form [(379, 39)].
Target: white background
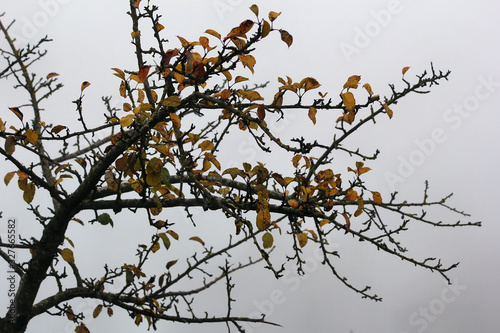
[(92, 36)]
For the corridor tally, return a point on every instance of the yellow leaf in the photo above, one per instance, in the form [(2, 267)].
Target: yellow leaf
[(293, 203), (155, 247), (267, 240), (140, 96), (172, 101), (85, 84), (255, 9), (273, 15), (349, 101), (135, 34), (351, 195), (119, 73), (295, 160), (127, 120), (324, 222), (347, 222), (2, 125), (184, 42), (312, 114), (361, 205), (302, 238), (31, 136), (159, 27), (213, 33), (176, 121), (352, 82), (123, 89), (240, 79), (67, 255), (29, 192), (310, 83), (377, 198), (387, 110), (17, 112), (266, 28), (8, 177), (368, 88), (206, 145), (97, 311), (197, 239)]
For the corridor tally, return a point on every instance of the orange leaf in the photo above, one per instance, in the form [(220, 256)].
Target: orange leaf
[(51, 75), (388, 110), (143, 73), (85, 84), (136, 3), (405, 69), (377, 198), (312, 114)]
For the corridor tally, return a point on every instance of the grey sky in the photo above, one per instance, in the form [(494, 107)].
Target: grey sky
[(449, 137)]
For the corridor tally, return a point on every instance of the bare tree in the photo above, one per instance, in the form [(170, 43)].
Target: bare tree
[(160, 152)]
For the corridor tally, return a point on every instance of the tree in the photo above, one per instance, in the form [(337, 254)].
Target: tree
[(160, 152)]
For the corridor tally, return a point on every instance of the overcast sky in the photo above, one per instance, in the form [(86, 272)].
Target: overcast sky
[(449, 137)]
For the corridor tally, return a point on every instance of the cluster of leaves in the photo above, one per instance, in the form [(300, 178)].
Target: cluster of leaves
[(155, 153)]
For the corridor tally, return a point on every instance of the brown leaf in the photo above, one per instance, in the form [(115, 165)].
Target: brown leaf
[(58, 128), (267, 240), (405, 69), (197, 239), (286, 37), (10, 145), (51, 75), (136, 3), (261, 112)]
